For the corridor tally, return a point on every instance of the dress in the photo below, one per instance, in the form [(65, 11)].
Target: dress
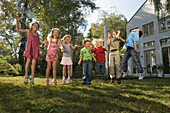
[(52, 54), (32, 46)]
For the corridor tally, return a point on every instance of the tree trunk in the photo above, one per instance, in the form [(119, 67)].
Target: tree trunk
[(23, 36)]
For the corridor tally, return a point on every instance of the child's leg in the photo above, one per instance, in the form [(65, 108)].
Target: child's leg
[(90, 67), (27, 66), (48, 69), (68, 67), (64, 70), (69, 80), (54, 69), (33, 68)]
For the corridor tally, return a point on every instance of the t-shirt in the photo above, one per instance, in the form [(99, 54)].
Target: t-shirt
[(133, 36), (114, 43), (85, 53), (100, 53)]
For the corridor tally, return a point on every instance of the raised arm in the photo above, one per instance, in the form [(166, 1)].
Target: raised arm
[(122, 39), (108, 39), (17, 26), (73, 47), (117, 36)]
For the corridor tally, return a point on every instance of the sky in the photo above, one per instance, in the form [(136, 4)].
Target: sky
[(126, 7)]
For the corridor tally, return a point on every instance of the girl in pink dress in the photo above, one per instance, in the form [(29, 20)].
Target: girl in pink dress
[(54, 41), (32, 48), (66, 59)]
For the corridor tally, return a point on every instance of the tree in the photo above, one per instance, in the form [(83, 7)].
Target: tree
[(114, 22)]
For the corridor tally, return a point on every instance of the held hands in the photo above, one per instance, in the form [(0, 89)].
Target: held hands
[(17, 18), (91, 45), (109, 34), (45, 42), (76, 46), (62, 50), (103, 47)]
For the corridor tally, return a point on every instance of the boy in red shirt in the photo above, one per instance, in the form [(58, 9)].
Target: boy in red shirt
[(99, 50)]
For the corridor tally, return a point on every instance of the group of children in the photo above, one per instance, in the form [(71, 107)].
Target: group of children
[(86, 54)]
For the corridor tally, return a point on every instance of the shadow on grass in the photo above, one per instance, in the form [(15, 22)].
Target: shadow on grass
[(99, 97)]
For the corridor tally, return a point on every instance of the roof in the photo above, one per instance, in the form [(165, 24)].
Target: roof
[(138, 10)]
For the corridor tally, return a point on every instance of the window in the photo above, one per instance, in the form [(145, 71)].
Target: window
[(148, 29), (165, 41), (149, 44), (150, 61), (164, 24)]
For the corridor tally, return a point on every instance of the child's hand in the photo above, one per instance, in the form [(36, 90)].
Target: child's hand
[(76, 46), (91, 45), (118, 31), (17, 18), (79, 62), (62, 50), (103, 47), (95, 60), (136, 51), (109, 34), (45, 42)]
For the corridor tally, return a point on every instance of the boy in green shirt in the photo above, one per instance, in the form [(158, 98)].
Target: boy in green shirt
[(86, 56)]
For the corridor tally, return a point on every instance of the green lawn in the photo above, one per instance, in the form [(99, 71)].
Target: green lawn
[(150, 95)]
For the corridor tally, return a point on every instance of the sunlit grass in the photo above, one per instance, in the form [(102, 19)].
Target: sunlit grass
[(150, 95)]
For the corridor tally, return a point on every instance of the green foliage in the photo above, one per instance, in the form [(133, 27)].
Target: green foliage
[(7, 68), (114, 22), (132, 96)]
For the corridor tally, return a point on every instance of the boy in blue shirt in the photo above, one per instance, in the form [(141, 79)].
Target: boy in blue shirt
[(131, 41)]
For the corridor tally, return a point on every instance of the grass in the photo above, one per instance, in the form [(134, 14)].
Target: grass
[(132, 96)]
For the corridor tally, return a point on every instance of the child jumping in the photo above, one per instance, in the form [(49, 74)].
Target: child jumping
[(86, 56), (53, 41), (99, 50), (66, 59), (114, 56), (32, 48)]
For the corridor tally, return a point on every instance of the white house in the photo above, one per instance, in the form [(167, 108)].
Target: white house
[(154, 45)]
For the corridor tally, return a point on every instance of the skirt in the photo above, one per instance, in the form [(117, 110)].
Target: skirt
[(66, 61)]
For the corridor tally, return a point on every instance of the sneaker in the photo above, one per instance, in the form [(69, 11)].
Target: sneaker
[(140, 76), (47, 82), (31, 79), (89, 83), (63, 81), (124, 74), (83, 83), (112, 80), (25, 79), (54, 82), (69, 80), (118, 81)]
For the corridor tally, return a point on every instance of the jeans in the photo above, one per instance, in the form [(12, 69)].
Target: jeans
[(87, 71), (130, 52), (100, 67)]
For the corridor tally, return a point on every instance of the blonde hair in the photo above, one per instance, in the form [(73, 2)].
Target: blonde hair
[(65, 36), (32, 23), (95, 40), (50, 36)]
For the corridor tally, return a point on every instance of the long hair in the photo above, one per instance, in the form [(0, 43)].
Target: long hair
[(50, 36)]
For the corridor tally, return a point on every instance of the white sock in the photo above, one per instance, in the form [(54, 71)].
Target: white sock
[(68, 77), (63, 77)]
